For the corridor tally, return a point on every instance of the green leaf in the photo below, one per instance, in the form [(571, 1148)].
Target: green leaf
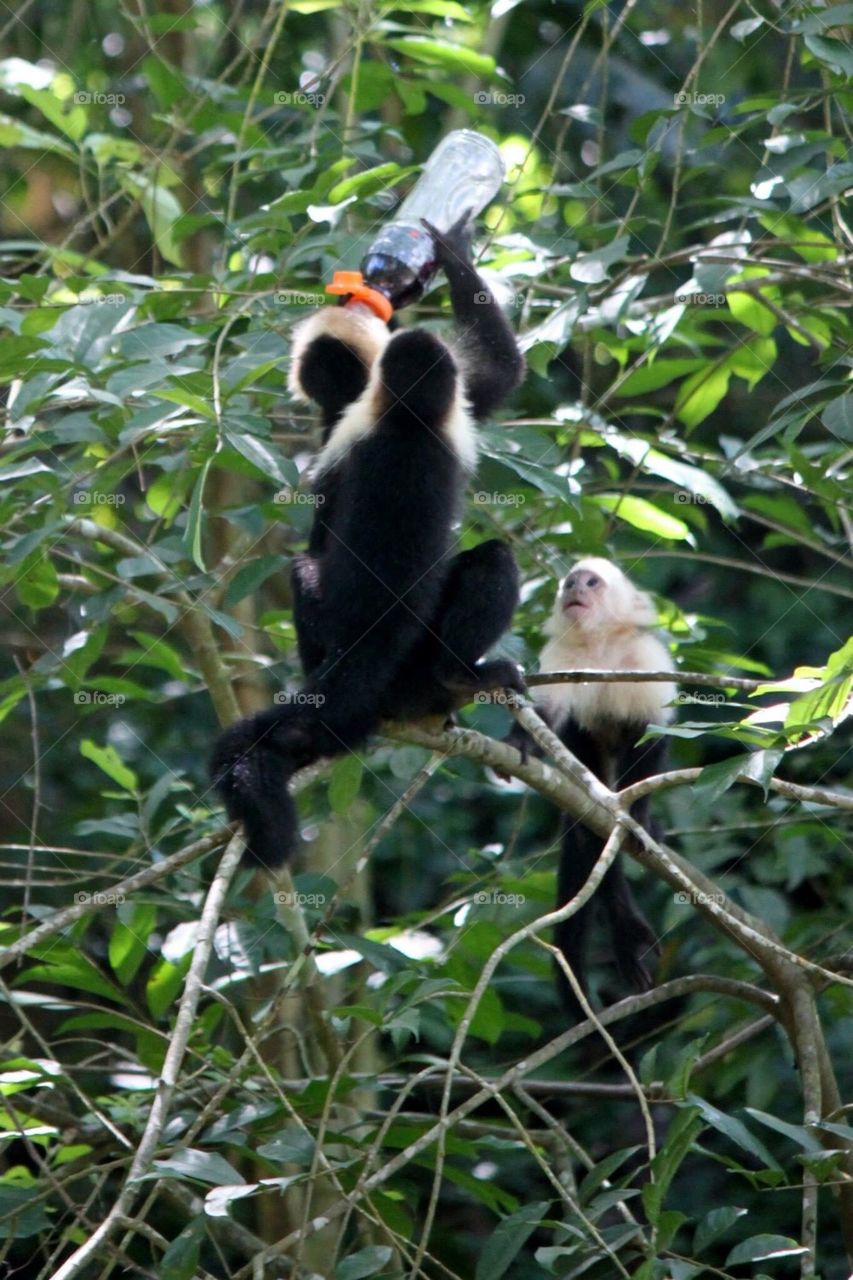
[(741, 30), (78, 973), (166, 84), (753, 360), (542, 478), (833, 53), (247, 580), (700, 395), (109, 762), (795, 1132), (69, 119), (161, 210), (643, 515), (165, 495), (656, 374), (195, 519), (683, 1131), (688, 479), (200, 1166), (508, 1239), (837, 417), (129, 941), (21, 1212), (344, 783), (748, 310), (593, 268), (715, 779), (14, 133), (314, 6), (439, 8), (452, 57), (163, 986), (155, 652), (36, 581), (761, 1247), (263, 455), (735, 1130), (837, 15), (367, 1262), (375, 179), (106, 149), (714, 1224), (829, 702), (180, 1261)]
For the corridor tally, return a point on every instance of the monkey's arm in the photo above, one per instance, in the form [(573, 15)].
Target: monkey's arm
[(493, 364)]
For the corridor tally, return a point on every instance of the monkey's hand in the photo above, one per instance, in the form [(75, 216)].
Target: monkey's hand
[(453, 247), (524, 745)]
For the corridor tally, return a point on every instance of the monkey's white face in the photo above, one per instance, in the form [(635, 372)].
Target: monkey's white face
[(596, 597), (581, 591), (600, 621)]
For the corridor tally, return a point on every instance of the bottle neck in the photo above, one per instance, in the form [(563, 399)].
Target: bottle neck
[(351, 285)]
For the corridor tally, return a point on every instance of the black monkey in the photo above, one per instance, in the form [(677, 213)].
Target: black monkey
[(601, 621), (390, 623)]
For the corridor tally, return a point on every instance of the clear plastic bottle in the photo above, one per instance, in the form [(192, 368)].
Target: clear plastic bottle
[(464, 172)]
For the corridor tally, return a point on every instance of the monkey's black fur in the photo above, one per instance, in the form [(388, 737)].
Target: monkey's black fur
[(389, 623), (611, 755)]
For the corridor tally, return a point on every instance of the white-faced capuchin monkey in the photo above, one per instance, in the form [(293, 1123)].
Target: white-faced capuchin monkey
[(392, 622), (601, 621)]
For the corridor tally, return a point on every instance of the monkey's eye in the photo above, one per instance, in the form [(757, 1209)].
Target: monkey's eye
[(593, 581)]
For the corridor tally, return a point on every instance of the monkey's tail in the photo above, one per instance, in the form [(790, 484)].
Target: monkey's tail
[(579, 851), (251, 769), (632, 938), (253, 761)]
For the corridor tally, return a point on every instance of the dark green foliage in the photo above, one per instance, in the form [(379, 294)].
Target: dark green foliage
[(675, 244)]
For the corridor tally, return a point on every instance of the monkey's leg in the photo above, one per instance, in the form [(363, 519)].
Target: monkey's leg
[(476, 608)]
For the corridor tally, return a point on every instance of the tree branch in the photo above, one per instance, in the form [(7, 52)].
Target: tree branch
[(171, 1065)]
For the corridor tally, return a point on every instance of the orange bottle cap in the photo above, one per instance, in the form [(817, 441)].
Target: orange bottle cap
[(352, 283)]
